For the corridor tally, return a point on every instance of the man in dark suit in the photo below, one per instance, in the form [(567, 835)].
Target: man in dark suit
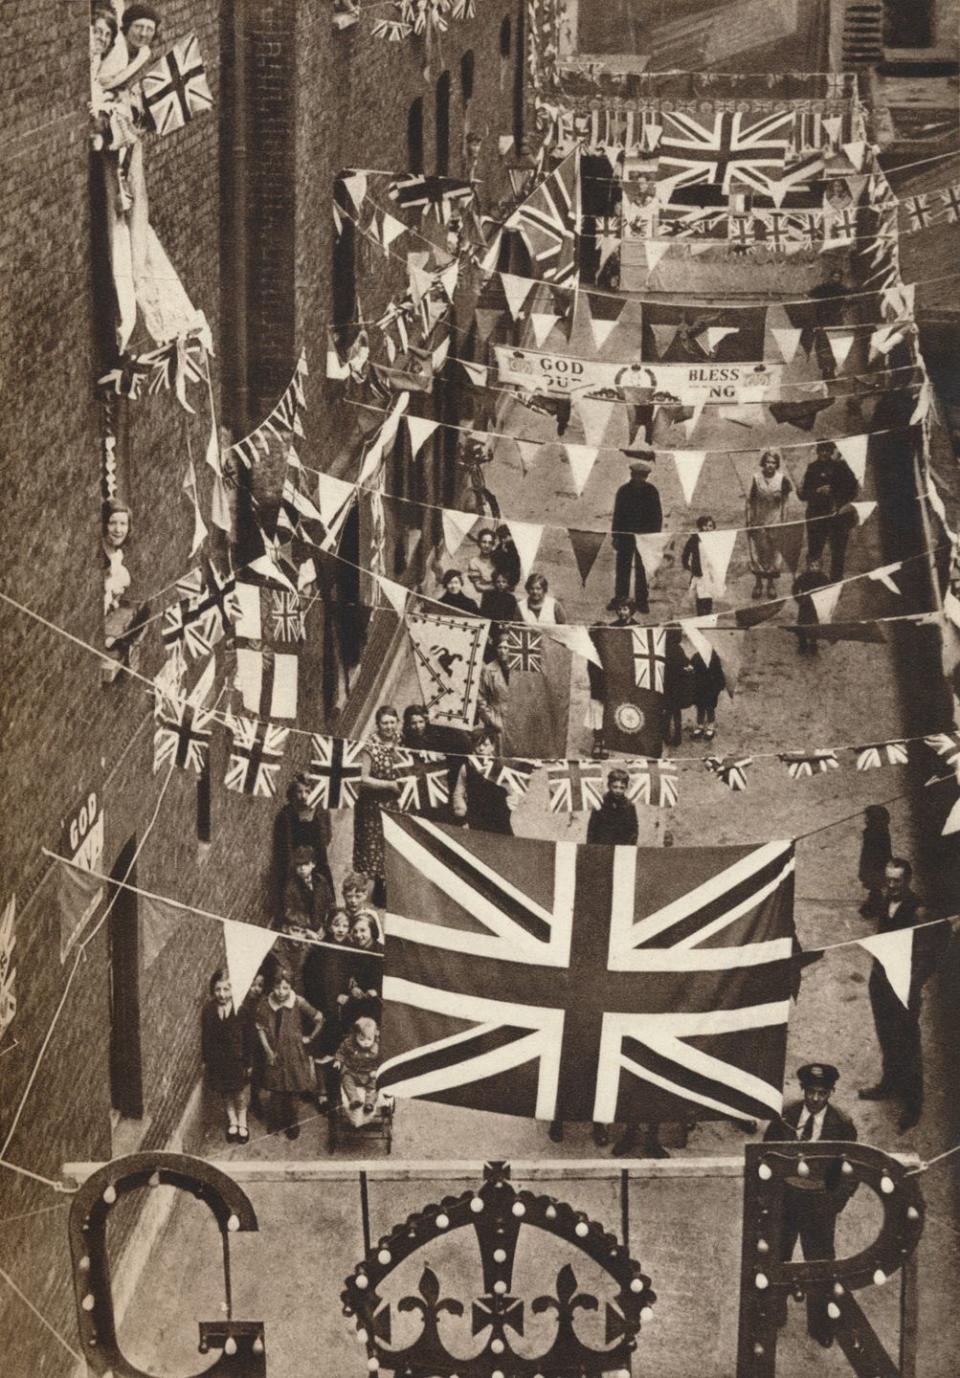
[(636, 511), (829, 487), (812, 1203), (898, 1025)]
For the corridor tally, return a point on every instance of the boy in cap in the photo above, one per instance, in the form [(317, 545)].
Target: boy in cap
[(812, 1203), (636, 512)]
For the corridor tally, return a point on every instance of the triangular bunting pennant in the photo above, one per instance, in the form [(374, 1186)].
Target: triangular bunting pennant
[(577, 639), (922, 409), (855, 152), (582, 459), (714, 335), (421, 429), (220, 505), (841, 342), (528, 451), (477, 373), (456, 525), (894, 952), (516, 290), (332, 494), (833, 127), (689, 464), (594, 417), (395, 594), (651, 549), (356, 188), (864, 511), (952, 823), (717, 548), (664, 336), (655, 250), (788, 341), (853, 448), (486, 320), (586, 547), (391, 229), (247, 946), (542, 322), (693, 420), (601, 330), (825, 601), (526, 537), (884, 575)]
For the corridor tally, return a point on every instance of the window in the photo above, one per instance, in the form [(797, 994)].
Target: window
[(466, 77), (442, 119), (506, 37), (415, 136)]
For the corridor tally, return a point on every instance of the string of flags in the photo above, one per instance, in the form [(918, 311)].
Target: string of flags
[(281, 423)]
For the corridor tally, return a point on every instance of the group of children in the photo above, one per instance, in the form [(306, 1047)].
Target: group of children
[(309, 1027)]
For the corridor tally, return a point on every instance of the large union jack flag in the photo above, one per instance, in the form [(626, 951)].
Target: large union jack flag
[(336, 766), (548, 221), (592, 983), (734, 149)]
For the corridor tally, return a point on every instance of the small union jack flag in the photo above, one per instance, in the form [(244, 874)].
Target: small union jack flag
[(426, 786), (878, 754), (286, 615), (920, 210), (524, 648), (801, 765), (515, 775), (649, 657), (181, 736), (839, 227), (334, 772), (574, 786), (256, 755), (740, 231), (947, 745), (730, 772), (418, 192), (951, 200), (198, 629), (176, 88), (655, 783)]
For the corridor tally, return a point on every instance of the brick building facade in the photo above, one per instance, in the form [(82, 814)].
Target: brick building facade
[(241, 203)]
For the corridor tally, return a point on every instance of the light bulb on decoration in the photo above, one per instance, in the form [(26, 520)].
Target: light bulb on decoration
[(362, 1281), (233, 1223), (361, 1337), (846, 1167), (838, 1289), (373, 1365), (646, 1314), (499, 1287), (582, 1229), (89, 1302), (110, 1195), (258, 1345), (636, 1285), (762, 1246), (153, 1180), (759, 1350), (84, 1264), (519, 1208), (833, 1310), (499, 1255), (886, 1185), (803, 1168), (497, 1346), (764, 1172), (551, 1212), (761, 1282), (913, 1213), (442, 1222), (476, 1205), (384, 1257), (230, 1345), (879, 1277)]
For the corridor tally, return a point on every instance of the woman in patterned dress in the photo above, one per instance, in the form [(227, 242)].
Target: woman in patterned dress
[(382, 764)]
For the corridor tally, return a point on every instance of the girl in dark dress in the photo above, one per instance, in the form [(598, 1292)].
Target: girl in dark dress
[(226, 1047), (286, 1024), (477, 800)]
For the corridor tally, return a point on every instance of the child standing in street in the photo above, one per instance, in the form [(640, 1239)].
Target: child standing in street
[(226, 1044), (709, 682), (696, 561), (286, 1024)]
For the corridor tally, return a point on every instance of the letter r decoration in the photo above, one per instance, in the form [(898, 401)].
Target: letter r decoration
[(241, 1342), (771, 1171)]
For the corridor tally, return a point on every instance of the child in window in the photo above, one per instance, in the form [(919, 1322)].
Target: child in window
[(226, 1046), (357, 1060)]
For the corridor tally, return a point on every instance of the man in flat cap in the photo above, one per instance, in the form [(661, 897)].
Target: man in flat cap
[(636, 511), (812, 1203)]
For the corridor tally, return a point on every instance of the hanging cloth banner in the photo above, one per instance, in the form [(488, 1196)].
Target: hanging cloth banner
[(689, 463), (894, 952), (586, 547), (247, 946), (448, 652), (563, 374), (582, 459), (456, 526)]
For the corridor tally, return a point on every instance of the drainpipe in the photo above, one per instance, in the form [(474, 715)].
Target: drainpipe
[(240, 410)]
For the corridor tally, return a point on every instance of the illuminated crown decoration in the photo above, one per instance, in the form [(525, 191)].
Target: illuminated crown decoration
[(496, 1214)]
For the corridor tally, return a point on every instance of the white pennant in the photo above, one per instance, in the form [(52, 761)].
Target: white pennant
[(582, 459), (395, 593), (651, 548), (220, 505), (894, 952), (825, 601), (601, 330), (833, 127), (477, 373), (542, 322), (884, 575), (456, 525), (332, 494), (692, 421), (439, 356), (841, 343), (489, 261), (719, 549), (421, 429), (856, 152), (504, 144), (652, 133), (212, 455), (392, 229), (854, 450), (356, 186), (788, 341), (655, 250), (594, 417), (526, 537), (864, 511), (689, 464), (421, 282), (577, 639), (922, 409), (952, 824), (716, 334), (516, 291), (528, 451), (778, 193), (246, 945)]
